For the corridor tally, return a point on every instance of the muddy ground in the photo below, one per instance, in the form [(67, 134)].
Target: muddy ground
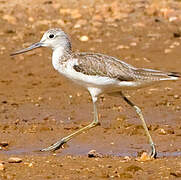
[(38, 106)]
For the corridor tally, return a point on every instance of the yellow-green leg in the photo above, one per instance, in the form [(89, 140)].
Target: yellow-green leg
[(138, 111), (59, 143)]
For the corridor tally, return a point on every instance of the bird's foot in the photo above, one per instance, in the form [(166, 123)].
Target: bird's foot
[(55, 146)]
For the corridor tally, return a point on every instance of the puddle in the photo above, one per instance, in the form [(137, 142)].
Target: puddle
[(83, 152), (169, 154)]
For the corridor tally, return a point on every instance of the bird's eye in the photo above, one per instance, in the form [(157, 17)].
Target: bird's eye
[(51, 36)]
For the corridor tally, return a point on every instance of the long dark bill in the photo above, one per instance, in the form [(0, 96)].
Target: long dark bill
[(33, 46)]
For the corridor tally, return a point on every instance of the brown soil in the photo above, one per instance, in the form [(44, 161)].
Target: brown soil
[(38, 106)]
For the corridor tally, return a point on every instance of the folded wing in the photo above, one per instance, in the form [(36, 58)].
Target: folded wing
[(107, 66)]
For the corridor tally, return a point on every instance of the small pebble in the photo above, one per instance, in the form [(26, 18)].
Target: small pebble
[(80, 23), (133, 44), (122, 47), (14, 160), (176, 35), (29, 164), (177, 108), (4, 143), (166, 51), (162, 132), (76, 26), (176, 43), (2, 166), (171, 19), (144, 157), (31, 19), (79, 94), (127, 158), (84, 38), (166, 131), (176, 173), (10, 19), (37, 105), (176, 96), (93, 153)]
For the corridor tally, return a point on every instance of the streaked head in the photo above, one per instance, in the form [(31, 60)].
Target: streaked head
[(53, 38)]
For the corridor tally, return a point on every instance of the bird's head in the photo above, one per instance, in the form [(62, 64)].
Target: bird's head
[(53, 38)]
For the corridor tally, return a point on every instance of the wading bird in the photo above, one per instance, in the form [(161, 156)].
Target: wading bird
[(98, 73)]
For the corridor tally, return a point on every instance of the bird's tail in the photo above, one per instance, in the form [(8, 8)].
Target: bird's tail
[(156, 75), (173, 75)]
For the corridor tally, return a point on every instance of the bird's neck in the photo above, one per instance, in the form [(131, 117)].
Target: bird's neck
[(60, 55)]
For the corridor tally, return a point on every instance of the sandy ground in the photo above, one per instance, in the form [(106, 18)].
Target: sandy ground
[(38, 106)]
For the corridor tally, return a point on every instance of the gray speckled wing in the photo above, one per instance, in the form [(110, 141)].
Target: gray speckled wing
[(102, 65)]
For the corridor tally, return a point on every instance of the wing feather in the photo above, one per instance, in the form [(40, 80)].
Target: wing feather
[(102, 65), (95, 64)]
